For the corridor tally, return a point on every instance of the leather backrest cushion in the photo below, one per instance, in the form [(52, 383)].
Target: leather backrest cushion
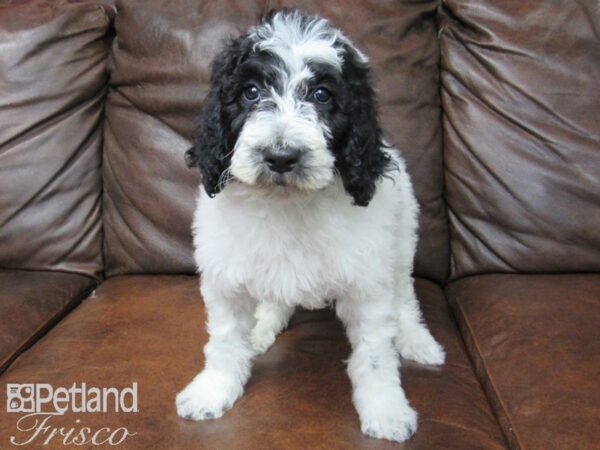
[(52, 84), (160, 75), (521, 100)]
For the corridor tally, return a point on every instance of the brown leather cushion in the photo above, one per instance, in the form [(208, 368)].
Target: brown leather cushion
[(521, 107), (535, 341), (52, 78), (31, 303), (150, 329), (160, 76)]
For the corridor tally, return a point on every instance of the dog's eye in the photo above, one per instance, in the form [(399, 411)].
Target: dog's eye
[(252, 94), (322, 95)]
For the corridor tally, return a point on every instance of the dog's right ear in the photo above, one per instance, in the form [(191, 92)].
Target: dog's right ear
[(211, 151)]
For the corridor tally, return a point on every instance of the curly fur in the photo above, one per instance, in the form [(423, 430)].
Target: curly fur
[(336, 220), (357, 141)]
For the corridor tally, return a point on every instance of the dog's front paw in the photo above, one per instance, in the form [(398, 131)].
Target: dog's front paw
[(389, 420), (417, 344), (208, 396)]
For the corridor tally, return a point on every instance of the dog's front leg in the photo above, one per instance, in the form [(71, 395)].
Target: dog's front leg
[(379, 399), (228, 356)]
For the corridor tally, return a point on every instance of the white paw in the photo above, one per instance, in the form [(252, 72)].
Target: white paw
[(389, 420), (262, 338), (208, 396), (417, 344)]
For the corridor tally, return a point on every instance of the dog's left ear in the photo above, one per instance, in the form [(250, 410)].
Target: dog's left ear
[(360, 160)]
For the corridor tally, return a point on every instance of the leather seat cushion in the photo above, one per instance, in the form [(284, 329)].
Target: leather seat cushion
[(536, 346), (150, 329), (30, 303)]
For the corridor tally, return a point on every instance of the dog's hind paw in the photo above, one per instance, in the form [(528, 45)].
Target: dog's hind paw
[(420, 346), (271, 319), (261, 339)]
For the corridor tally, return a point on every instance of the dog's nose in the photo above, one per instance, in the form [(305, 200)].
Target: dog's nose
[(282, 160)]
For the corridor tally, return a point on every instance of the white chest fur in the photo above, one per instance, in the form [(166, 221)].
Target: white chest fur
[(299, 250)]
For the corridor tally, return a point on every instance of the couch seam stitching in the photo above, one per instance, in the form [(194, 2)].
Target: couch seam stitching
[(39, 332), (488, 373)]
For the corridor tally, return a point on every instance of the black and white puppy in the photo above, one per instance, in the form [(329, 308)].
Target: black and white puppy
[(302, 202)]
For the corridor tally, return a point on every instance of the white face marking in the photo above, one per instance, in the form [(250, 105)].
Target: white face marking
[(291, 124), (297, 43)]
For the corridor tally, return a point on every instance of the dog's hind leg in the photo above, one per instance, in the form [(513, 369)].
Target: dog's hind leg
[(271, 319), (413, 339)]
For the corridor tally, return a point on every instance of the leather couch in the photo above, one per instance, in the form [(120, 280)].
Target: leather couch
[(496, 107)]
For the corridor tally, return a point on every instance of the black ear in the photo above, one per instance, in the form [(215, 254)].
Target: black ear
[(360, 159), (213, 143)]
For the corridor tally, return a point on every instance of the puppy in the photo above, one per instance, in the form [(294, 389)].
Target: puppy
[(302, 202)]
